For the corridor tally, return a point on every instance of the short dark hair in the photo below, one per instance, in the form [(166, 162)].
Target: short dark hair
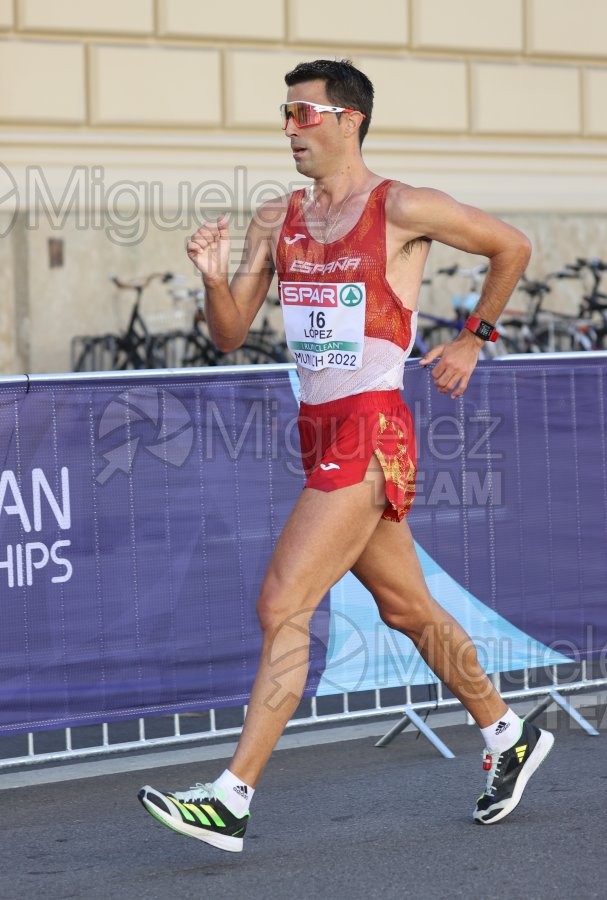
[(345, 85)]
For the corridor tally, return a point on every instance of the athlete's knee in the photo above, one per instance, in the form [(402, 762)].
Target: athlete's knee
[(408, 613), (270, 611), (278, 607)]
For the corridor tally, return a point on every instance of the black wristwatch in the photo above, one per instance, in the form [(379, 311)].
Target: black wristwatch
[(481, 328)]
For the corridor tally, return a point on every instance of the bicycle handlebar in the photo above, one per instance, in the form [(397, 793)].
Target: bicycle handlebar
[(456, 269), (139, 284), (539, 288), (595, 300), (594, 264)]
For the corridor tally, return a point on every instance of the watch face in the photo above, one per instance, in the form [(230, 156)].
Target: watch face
[(484, 330)]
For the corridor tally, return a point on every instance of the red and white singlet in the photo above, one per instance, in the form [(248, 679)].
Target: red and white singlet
[(346, 328)]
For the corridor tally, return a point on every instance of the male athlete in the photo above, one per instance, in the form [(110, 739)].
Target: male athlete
[(349, 252)]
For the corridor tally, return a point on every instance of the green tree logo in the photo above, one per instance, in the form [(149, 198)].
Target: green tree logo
[(350, 295)]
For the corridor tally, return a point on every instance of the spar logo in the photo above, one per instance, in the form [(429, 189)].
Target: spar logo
[(295, 293), (351, 295)]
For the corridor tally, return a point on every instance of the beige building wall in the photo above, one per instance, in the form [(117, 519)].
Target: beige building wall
[(122, 124)]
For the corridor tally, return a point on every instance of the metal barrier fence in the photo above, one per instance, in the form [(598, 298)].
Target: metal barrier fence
[(407, 711)]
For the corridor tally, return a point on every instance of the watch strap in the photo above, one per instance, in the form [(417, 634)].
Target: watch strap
[(481, 328)]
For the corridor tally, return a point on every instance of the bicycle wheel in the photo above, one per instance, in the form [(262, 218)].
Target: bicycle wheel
[(83, 354), (561, 338), (517, 336), (164, 350), (198, 351), (95, 354), (438, 334), (129, 354), (501, 347)]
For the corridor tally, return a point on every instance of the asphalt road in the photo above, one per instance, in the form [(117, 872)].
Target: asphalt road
[(337, 820)]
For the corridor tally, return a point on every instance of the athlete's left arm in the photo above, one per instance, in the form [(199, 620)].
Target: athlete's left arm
[(433, 214)]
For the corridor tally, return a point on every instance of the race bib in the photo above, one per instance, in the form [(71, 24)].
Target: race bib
[(325, 323)]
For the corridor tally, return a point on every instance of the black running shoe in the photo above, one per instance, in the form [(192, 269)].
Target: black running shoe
[(509, 772), (197, 813)]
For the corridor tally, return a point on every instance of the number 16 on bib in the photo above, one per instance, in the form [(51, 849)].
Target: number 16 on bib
[(324, 323)]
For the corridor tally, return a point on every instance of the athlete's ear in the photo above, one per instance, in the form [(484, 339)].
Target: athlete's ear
[(354, 120)]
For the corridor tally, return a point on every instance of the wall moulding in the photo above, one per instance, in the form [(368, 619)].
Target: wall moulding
[(499, 174)]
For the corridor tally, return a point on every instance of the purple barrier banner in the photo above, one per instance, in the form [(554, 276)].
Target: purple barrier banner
[(136, 520), (513, 500), (138, 514)]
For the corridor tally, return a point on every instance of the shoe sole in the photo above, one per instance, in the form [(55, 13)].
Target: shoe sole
[(221, 841), (539, 754)]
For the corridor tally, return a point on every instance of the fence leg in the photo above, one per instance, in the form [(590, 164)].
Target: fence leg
[(538, 709), (555, 697), (411, 716), (396, 729)]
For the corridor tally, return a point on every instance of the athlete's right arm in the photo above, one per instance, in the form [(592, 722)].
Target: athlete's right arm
[(230, 307)]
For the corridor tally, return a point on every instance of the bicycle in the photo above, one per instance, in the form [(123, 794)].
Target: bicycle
[(139, 348), (594, 303), (543, 331), (268, 334), (195, 347), (135, 348), (442, 330)]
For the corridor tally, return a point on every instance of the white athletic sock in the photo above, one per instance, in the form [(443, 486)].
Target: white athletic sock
[(234, 793), (504, 733)]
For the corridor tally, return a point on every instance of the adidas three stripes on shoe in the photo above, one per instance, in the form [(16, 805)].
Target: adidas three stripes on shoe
[(508, 773), (197, 813)]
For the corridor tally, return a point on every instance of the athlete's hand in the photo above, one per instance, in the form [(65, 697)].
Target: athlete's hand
[(456, 362), (209, 250)]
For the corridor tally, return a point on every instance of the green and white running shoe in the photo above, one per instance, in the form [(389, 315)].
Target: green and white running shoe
[(197, 813)]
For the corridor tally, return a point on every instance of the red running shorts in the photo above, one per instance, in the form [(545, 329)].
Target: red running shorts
[(339, 438)]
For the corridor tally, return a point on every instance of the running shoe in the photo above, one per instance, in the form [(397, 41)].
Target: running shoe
[(197, 813), (509, 772)]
